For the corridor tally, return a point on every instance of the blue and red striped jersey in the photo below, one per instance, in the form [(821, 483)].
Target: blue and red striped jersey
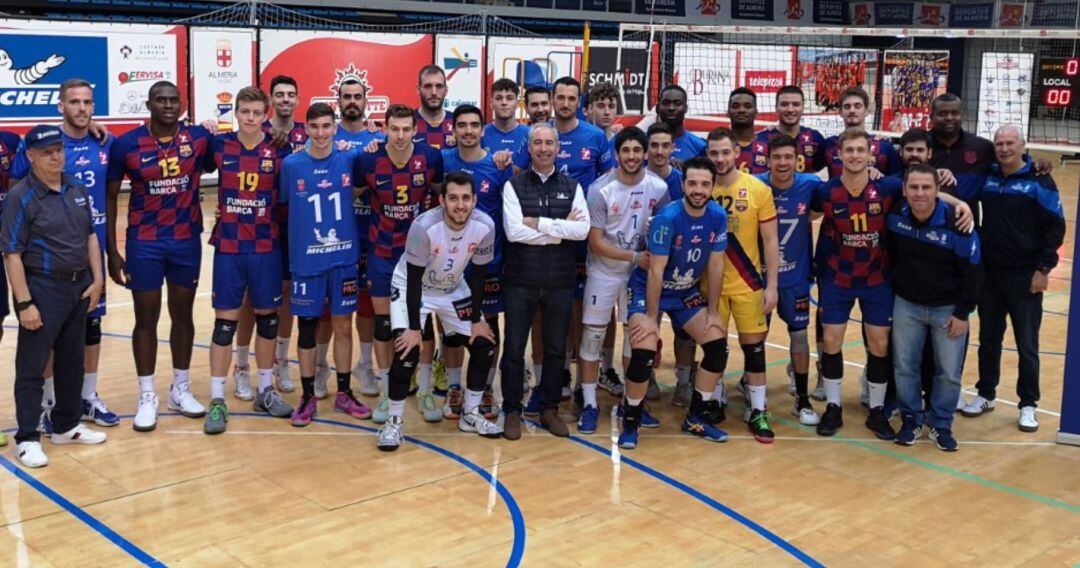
[(297, 135), (851, 244), (439, 136), (164, 176), (753, 157), (886, 159), (809, 148), (9, 143), (397, 193), (247, 194)]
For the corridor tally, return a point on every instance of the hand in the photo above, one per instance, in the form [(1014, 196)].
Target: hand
[(768, 300), (481, 329), (30, 318), (279, 137), (217, 213), (502, 158), (576, 215), (407, 341), (54, 60), (1039, 282), (531, 222), (643, 259), (641, 327), (617, 128), (965, 221), (210, 124), (118, 269), (98, 131), (712, 320), (1043, 166), (371, 126), (371, 148), (946, 177), (875, 174), (93, 293), (957, 327)]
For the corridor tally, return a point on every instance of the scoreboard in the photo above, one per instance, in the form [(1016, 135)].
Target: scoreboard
[(1059, 81)]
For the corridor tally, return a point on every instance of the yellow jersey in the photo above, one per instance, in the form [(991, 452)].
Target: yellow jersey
[(749, 203)]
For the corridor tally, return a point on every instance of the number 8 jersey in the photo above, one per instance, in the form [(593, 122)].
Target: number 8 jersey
[(322, 228)]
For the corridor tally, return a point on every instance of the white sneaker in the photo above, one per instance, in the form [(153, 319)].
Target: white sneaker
[(819, 389), (182, 401), (369, 383), (283, 377), (791, 380), (864, 392), (961, 402), (977, 407), (807, 416), (31, 454), (475, 422), (390, 435), (146, 413), (1028, 422), (79, 435), (242, 378), (322, 376)]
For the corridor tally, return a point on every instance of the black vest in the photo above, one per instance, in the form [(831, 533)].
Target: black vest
[(545, 266)]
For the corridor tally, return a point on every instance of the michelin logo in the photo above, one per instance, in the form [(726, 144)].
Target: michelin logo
[(10, 77)]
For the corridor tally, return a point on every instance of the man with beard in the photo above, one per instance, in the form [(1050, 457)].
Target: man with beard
[(434, 126), (538, 104), (966, 155), (672, 112), (789, 108), (854, 108)]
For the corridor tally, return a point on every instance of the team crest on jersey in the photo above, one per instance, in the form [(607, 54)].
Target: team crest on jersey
[(695, 240), (450, 140), (678, 240), (300, 185), (615, 210), (802, 209), (874, 209), (759, 160), (186, 151), (742, 192), (418, 179), (741, 205), (346, 179), (103, 158), (808, 151), (586, 153), (712, 237), (183, 138), (970, 156), (485, 186), (267, 166)]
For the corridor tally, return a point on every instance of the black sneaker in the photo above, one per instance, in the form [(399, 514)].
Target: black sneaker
[(713, 412), (878, 423), (567, 378), (759, 426), (831, 421), (944, 439)]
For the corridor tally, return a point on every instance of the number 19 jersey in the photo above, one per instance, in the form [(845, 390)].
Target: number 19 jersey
[(322, 229)]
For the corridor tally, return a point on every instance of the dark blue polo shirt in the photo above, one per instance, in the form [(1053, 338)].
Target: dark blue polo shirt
[(50, 228)]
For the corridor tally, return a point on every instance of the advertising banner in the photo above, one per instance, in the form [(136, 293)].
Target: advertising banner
[(709, 71), (222, 63), (1004, 91), (461, 56), (628, 75)]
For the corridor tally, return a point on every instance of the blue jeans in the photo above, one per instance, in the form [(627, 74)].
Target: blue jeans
[(911, 325)]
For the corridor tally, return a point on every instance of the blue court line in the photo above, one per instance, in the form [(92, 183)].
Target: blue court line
[(101, 528), (702, 497)]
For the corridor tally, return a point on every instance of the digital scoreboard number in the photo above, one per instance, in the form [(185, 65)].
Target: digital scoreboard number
[(1058, 81)]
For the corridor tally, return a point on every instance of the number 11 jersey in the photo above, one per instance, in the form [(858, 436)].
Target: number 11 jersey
[(322, 229)]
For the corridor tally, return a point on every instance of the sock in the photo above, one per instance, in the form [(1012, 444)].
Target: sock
[(179, 377), (307, 384), (397, 408), (472, 400), (217, 387), (423, 377), (89, 385), (266, 379), (491, 376), (48, 398), (453, 376), (705, 395), (802, 384), (607, 357), (365, 356), (343, 381), (281, 351), (757, 396), (631, 402), (242, 356), (146, 383), (877, 394), (588, 391), (832, 390), (320, 354), (718, 392), (682, 374)]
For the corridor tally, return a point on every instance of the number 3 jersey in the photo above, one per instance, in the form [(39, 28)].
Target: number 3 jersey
[(322, 229), (622, 212), (397, 194), (164, 176), (444, 252), (748, 204), (247, 194)]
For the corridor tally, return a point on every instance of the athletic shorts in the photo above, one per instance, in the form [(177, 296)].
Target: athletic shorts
[(152, 263), (365, 252), (602, 294), (257, 273), (875, 302), (681, 306), (493, 299), (380, 273), (793, 306), (336, 289), (454, 308), (364, 308), (745, 309)]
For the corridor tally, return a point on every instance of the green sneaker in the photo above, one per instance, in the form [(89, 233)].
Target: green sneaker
[(3, 439), (216, 417), (439, 379), (382, 409), (428, 408)]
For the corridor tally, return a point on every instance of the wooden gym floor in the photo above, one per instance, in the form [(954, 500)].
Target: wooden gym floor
[(268, 494)]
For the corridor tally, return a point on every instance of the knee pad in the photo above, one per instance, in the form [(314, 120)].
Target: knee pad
[(382, 331), (876, 369), (93, 331), (455, 340), (800, 341), (754, 357), (832, 365), (428, 331), (266, 325), (592, 340), (479, 348), (306, 337), (493, 323), (224, 331), (641, 362), (716, 355)]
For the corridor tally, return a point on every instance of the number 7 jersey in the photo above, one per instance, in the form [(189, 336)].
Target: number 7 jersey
[(322, 228)]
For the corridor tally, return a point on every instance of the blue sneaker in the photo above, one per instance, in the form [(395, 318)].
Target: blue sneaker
[(944, 439), (647, 419), (532, 408), (909, 432), (587, 423), (628, 438), (94, 410), (697, 426)]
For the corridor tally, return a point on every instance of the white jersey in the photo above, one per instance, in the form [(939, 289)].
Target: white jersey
[(623, 211), (444, 252)]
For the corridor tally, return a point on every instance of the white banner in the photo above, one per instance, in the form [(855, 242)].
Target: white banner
[(709, 72), (461, 56), (1004, 91), (222, 63)]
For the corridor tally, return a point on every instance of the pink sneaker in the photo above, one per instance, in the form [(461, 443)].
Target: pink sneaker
[(345, 402), (304, 412)]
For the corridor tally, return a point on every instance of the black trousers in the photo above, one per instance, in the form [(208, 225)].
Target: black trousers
[(1009, 294), (63, 330), (520, 303)]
